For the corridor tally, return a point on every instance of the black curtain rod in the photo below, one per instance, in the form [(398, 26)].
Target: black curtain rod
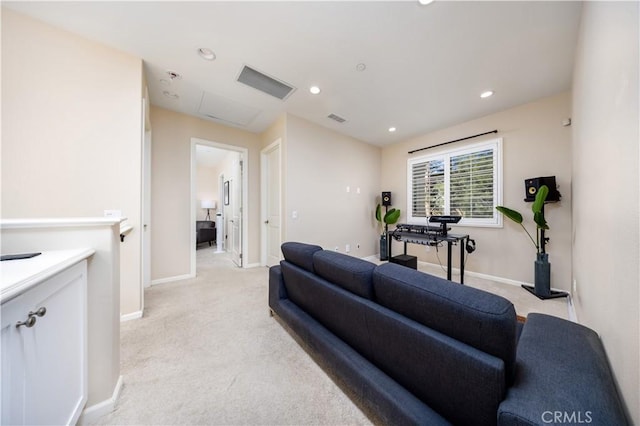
[(457, 140)]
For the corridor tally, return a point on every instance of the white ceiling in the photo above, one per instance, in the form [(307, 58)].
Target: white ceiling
[(209, 156), (425, 65)]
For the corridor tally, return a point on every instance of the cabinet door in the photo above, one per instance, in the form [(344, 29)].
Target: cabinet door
[(12, 375), (53, 379)]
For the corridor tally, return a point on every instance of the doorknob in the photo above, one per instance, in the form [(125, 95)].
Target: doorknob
[(266, 221)]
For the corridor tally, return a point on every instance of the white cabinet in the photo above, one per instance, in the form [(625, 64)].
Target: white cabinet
[(44, 362)]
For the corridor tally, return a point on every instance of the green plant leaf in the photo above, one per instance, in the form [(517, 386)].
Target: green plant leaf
[(511, 214), (540, 221), (378, 215), (392, 216), (541, 197)]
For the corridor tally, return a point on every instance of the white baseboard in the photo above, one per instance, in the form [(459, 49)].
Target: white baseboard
[(251, 265), (91, 414), (488, 277), (573, 316), (373, 258), (131, 316), (172, 279)]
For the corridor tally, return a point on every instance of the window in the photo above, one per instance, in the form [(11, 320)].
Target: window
[(463, 182)]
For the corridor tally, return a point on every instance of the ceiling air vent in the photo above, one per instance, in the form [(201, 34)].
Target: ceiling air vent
[(264, 83), (336, 118)]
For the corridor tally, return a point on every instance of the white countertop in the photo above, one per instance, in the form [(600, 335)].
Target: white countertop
[(60, 222), (18, 276)]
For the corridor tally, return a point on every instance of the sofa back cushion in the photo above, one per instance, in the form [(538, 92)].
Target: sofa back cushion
[(463, 384), (337, 309), (347, 272), (479, 319), (300, 254)]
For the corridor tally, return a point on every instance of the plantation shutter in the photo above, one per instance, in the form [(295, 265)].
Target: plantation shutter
[(462, 182), (471, 184), (427, 186)]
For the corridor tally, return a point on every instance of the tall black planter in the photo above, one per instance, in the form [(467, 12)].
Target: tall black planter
[(542, 276), (542, 279), (384, 255)]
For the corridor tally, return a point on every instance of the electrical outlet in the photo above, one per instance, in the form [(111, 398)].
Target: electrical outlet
[(347, 248), (337, 248)]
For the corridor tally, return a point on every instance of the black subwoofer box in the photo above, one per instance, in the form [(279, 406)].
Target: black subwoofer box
[(405, 260)]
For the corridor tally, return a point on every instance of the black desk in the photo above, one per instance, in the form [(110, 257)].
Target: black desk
[(431, 238)]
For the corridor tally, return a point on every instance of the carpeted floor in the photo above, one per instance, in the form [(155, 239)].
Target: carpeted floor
[(207, 352)]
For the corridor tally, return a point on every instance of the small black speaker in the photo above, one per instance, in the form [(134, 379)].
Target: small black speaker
[(386, 198), (532, 185)]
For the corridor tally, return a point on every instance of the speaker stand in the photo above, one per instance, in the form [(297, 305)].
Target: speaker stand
[(554, 294)]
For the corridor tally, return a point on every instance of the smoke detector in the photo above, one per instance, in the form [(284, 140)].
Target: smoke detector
[(174, 75)]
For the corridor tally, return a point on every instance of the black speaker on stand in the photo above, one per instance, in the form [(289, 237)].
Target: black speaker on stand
[(385, 242), (386, 199), (532, 185), (542, 267)]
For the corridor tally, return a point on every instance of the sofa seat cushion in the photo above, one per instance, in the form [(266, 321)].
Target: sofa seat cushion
[(480, 319), (300, 254), (563, 377), (348, 272)]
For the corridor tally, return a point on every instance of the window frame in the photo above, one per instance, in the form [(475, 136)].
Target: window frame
[(445, 155)]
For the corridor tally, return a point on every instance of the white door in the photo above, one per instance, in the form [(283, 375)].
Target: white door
[(235, 192), (272, 196)]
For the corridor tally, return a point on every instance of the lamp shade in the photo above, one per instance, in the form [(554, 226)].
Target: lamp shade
[(208, 204)]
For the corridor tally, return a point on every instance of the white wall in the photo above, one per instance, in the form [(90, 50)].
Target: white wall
[(72, 132), (606, 186), (171, 192), (534, 144), (207, 182), (319, 166)]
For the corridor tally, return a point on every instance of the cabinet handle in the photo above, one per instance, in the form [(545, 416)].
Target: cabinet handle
[(40, 312), (30, 322), (31, 318)]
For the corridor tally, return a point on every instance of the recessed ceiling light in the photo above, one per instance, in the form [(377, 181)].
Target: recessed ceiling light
[(392, 129), (486, 94), (314, 89), (170, 95), (425, 2), (361, 67), (206, 53)]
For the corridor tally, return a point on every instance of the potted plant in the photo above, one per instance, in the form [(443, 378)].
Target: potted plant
[(390, 217), (542, 271)]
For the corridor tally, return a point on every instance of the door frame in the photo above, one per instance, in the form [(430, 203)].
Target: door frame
[(245, 199), (263, 196), (145, 204)]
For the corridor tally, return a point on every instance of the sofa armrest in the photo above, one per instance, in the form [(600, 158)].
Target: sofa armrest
[(562, 376), (277, 290)]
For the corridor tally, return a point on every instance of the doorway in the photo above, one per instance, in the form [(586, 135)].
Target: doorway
[(218, 179)]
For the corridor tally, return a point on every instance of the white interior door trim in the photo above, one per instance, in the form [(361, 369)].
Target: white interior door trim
[(245, 197)]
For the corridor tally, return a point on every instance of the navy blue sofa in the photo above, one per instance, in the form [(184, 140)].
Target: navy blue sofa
[(411, 348)]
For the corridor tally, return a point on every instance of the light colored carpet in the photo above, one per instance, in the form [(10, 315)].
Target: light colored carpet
[(207, 352)]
